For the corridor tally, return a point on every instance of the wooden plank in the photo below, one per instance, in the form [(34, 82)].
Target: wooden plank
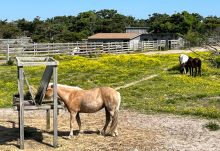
[(21, 111), (41, 107), (55, 138), (20, 59), (36, 61), (47, 119), (44, 84)]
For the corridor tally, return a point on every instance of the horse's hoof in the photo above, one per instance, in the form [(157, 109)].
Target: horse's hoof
[(102, 133), (70, 137), (114, 134), (79, 132)]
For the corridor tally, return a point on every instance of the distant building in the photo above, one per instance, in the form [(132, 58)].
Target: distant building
[(135, 35), (114, 37), (140, 30)]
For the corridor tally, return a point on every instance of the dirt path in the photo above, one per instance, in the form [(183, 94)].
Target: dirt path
[(136, 82), (136, 132)]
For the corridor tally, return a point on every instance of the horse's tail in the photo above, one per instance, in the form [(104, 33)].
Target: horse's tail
[(119, 100), (113, 128)]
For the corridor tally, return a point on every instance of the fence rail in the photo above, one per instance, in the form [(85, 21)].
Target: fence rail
[(80, 48)]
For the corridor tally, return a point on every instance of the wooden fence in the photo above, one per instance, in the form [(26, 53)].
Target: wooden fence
[(79, 48)]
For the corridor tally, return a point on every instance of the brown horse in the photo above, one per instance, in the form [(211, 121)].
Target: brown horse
[(194, 63), (78, 101)]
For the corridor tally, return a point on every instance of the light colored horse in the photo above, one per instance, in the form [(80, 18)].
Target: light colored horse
[(183, 60), (78, 101)]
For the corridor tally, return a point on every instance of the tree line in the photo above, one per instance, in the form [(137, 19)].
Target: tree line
[(192, 26)]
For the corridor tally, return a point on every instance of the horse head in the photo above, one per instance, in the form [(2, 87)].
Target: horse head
[(183, 61), (49, 91)]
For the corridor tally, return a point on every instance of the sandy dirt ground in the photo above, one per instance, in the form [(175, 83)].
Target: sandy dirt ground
[(137, 132)]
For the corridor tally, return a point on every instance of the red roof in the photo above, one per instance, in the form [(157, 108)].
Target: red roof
[(114, 36)]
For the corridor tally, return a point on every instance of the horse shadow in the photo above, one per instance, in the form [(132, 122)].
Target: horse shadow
[(65, 134), (10, 136), (174, 69)]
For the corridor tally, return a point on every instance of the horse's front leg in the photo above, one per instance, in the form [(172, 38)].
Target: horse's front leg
[(187, 69), (72, 115), (78, 121), (184, 70)]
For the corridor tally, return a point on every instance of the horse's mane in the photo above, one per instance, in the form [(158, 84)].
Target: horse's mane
[(67, 86)]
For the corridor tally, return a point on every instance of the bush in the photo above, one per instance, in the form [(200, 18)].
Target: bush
[(194, 38), (217, 61), (10, 62), (212, 126)]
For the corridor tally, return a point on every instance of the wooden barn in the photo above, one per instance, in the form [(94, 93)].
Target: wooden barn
[(131, 39), (133, 35), (114, 37), (136, 36), (140, 30)]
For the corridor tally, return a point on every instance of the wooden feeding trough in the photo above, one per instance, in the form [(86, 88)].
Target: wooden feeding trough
[(36, 102)]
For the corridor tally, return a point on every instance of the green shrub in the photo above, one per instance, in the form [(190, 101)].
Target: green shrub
[(217, 61), (10, 62), (212, 126)]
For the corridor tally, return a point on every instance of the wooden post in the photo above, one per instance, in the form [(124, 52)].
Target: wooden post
[(94, 48), (47, 120), (21, 109), (122, 47), (133, 46), (55, 137), (34, 48), (48, 47), (87, 48), (158, 44), (7, 53), (142, 45)]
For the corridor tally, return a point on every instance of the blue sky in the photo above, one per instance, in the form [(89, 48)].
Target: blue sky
[(140, 9)]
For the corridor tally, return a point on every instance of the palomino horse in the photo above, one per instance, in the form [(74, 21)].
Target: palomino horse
[(183, 60), (78, 101)]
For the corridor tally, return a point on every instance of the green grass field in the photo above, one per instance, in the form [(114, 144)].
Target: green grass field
[(168, 92)]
